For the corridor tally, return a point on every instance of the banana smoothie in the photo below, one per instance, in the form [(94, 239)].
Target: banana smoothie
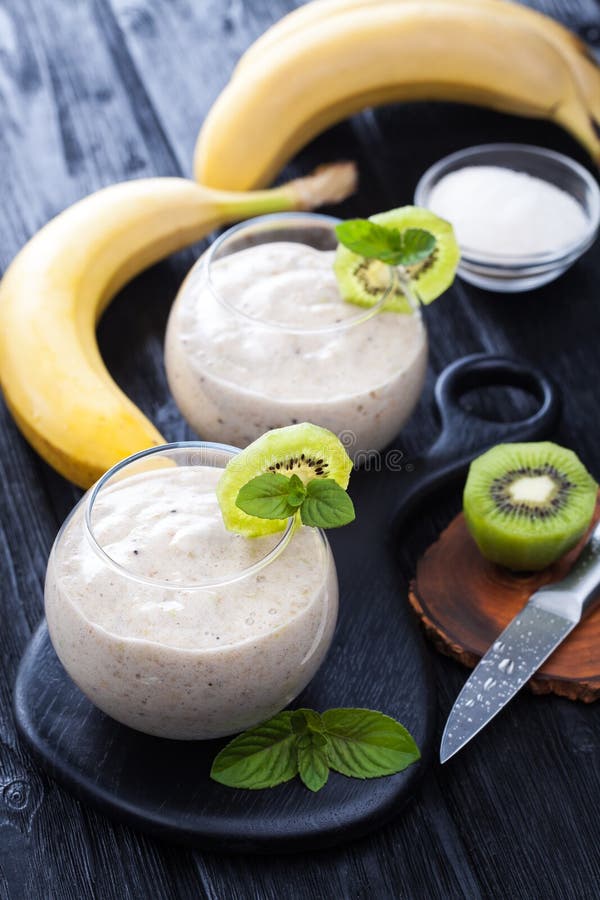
[(261, 337), (147, 619)]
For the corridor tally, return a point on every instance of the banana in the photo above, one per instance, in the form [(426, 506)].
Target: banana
[(53, 293), (368, 54), (568, 44)]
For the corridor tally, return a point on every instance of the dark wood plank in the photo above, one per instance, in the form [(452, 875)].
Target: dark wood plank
[(68, 129), (96, 91)]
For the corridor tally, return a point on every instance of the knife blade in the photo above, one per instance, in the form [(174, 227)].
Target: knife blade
[(525, 644)]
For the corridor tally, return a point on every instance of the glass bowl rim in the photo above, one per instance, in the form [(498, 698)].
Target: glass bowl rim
[(207, 259), (549, 259), (208, 583)]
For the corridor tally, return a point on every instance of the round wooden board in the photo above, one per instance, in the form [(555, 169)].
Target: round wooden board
[(464, 602)]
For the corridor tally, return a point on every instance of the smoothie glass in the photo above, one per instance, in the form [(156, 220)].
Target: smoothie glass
[(235, 374), (167, 654)]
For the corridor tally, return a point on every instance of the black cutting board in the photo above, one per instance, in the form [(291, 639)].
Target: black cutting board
[(377, 660)]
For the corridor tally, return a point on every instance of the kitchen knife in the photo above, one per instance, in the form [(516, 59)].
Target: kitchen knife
[(527, 642)]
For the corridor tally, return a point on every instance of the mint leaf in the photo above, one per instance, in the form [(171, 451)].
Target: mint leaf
[(366, 744), (304, 720), (416, 245), (297, 491), (390, 245), (313, 765), (261, 757), (327, 505), (267, 496), (368, 239)]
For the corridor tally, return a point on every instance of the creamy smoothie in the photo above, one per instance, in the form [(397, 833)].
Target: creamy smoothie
[(262, 338), (172, 658)]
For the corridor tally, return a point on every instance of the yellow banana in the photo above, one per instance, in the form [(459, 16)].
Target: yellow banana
[(367, 55), (585, 70), (52, 375)]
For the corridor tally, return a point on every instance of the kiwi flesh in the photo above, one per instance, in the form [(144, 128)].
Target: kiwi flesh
[(526, 505), (305, 450), (364, 281)]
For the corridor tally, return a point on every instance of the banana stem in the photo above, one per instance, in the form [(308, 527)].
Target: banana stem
[(329, 183)]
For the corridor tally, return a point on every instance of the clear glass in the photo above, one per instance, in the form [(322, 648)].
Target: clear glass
[(157, 621), (240, 363), (509, 274)]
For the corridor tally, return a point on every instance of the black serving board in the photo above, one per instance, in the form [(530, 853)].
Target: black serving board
[(377, 660)]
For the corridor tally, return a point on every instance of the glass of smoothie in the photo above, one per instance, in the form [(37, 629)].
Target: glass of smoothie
[(173, 625), (260, 337)]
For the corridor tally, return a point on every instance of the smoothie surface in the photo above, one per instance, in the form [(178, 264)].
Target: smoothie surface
[(167, 524), (263, 338)]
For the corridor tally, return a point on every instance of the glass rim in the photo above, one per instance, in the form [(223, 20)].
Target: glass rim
[(221, 580), (207, 260), (565, 254)]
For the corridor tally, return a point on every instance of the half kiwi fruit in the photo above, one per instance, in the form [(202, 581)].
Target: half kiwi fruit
[(364, 281), (305, 450), (528, 504)]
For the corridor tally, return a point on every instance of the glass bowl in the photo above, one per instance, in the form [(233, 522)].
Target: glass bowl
[(169, 623), (512, 273), (238, 370)]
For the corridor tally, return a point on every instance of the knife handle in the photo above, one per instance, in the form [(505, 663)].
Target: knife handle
[(579, 592)]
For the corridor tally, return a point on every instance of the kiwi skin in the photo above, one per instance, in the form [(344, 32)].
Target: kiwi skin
[(528, 534)]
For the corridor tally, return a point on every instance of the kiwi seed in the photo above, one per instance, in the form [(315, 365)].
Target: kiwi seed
[(500, 489), (301, 464)]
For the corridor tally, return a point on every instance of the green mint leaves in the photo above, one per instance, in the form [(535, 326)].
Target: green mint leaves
[(391, 246), (271, 496), (321, 502), (366, 744), (359, 743), (326, 504), (260, 757), (311, 748)]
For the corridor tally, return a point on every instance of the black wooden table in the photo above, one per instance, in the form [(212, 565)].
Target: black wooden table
[(97, 91)]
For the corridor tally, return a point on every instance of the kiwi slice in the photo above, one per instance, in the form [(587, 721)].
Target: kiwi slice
[(363, 281), (305, 450), (528, 504)]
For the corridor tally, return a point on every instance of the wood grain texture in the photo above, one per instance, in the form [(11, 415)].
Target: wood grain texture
[(464, 602), (94, 91)]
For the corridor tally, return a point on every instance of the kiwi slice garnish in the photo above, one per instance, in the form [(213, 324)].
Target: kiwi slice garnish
[(363, 281), (526, 505), (305, 450)]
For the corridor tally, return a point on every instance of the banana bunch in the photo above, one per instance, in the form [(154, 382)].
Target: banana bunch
[(52, 295), (323, 62), (331, 58)]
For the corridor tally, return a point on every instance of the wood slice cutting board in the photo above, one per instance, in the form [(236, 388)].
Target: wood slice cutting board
[(464, 602)]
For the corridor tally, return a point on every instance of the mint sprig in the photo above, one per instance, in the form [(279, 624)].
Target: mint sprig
[(390, 245), (321, 502), (358, 743)]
